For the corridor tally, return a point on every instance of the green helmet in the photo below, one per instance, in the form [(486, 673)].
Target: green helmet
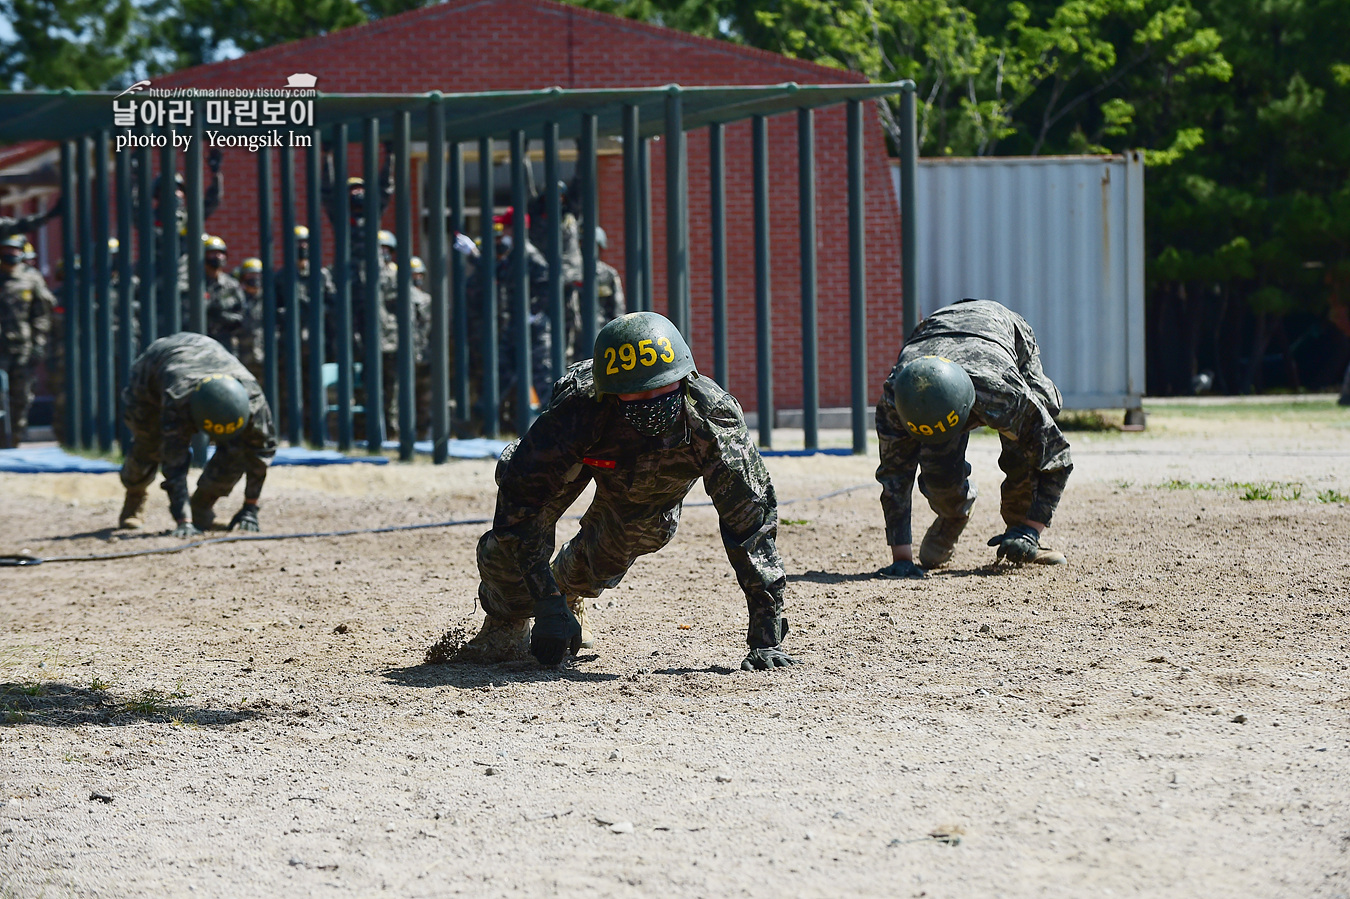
[(14, 240), (934, 397), (640, 351), (219, 406)]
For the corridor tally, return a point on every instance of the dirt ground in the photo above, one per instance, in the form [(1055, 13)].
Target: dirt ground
[(1166, 716)]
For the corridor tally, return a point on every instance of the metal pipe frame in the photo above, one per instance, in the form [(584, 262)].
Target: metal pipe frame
[(146, 244), (170, 302), (288, 289), (342, 274), (632, 208), (806, 197), (407, 405), (557, 317), (126, 347), (104, 383), (318, 398), (857, 276), (372, 336), (590, 213), (491, 396), (759, 126), (460, 284), (74, 418), (909, 164), (88, 357), (440, 310), (520, 283), (269, 287), (196, 227), (677, 231), (717, 227), (645, 182)]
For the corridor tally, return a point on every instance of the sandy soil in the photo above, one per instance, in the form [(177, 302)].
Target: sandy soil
[(1168, 715)]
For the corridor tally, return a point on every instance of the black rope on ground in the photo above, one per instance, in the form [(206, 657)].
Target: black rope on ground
[(23, 561)]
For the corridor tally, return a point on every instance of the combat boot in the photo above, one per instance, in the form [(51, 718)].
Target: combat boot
[(940, 541), (498, 640), (578, 606), (1047, 556), (132, 515), (203, 510)]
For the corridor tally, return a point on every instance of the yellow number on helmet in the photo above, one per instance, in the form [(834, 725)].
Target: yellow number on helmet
[(925, 430), (912, 427), (953, 419), (627, 357), (610, 367), (669, 354), (646, 352)]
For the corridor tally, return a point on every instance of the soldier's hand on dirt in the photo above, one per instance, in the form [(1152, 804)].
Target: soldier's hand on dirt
[(765, 658), (1019, 544), (246, 519), (901, 569), (556, 631), (185, 530)]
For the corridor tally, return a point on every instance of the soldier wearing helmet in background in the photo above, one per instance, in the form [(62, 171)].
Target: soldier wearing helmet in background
[(25, 325), (421, 309), (181, 385), (644, 427), (225, 304), (974, 363), (251, 341), (609, 299), (302, 290)]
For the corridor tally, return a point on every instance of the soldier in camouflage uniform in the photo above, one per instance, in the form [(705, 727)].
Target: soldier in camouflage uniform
[(644, 427), (974, 363), (182, 384), (226, 306), (251, 340), (284, 305), (25, 324)]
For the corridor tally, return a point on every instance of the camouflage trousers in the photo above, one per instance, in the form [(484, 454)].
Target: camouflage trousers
[(223, 470), (20, 371), (597, 558), (944, 480)]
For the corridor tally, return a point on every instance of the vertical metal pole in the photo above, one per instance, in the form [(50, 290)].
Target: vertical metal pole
[(146, 244), (520, 284), (269, 287), (370, 301), (74, 418), (170, 296), (459, 282), (342, 274), (806, 198), (196, 225), (289, 289), (632, 208), (645, 182), (857, 277), (440, 310), (88, 350), (590, 211), (717, 177), (909, 227), (677, 234), (126, 347), (553, 207), (318, 396), (407, 400), (763, 310), (487, 266), (104, 383)]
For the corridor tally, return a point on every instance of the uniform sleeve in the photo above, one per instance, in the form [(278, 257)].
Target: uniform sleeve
[(1029, 364), (747, 508), (1016, 410), (175, 455), (261, 444), (42, 310), (899, 453), (544, 464)]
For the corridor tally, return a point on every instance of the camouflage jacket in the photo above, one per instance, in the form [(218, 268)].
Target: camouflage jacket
[(161, 383), (578, 439), (997, 348), (25, 313)]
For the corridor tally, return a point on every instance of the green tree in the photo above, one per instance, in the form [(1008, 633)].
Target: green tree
[(81, 44)]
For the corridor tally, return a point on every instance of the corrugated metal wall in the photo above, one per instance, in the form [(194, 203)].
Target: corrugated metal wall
[(1058, 239)]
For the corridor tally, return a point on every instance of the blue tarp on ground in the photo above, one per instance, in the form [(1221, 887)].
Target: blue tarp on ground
[(54, 460)]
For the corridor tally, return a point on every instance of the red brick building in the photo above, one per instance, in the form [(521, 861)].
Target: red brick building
[(489, 45)]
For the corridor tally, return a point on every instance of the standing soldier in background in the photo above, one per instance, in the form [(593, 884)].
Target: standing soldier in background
[(610, 301), (25, 323), (251, 342), (181, 385), (224, 297), (301, 304), (644, 427), (421, 310), (974, 363)]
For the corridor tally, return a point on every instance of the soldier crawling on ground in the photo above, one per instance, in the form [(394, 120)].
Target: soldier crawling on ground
[(644, 427), (968, 365), (181, 385)]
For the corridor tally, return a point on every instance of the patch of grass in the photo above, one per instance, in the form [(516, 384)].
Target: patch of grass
[(154, 703), (1089, 420), (1250, 490), (1332, 496), (794, 521), (99, 685)]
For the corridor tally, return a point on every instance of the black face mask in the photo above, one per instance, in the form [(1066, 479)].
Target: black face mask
[(654, 417)]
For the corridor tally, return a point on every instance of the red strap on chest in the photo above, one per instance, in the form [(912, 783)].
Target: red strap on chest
[(599, 463)]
